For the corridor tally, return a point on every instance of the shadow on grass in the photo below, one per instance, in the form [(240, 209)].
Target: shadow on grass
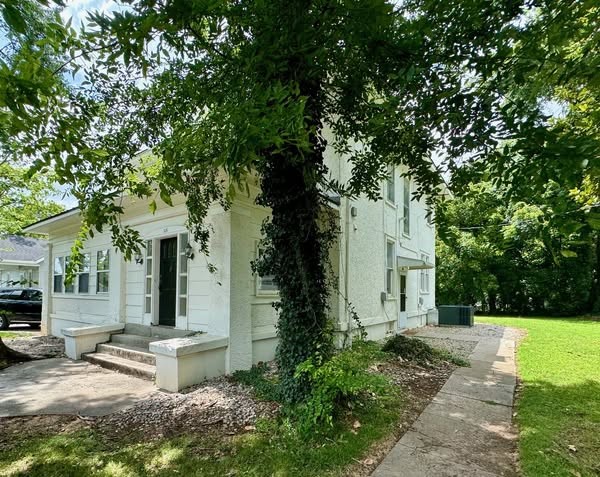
[(274, 449), (559, 428)]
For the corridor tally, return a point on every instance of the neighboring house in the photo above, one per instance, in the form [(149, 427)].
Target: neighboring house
[(383, 260), (20, 260)]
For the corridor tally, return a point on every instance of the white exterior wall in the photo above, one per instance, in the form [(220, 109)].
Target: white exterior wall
[(207, 297), (362, 267), (228, 303), (74, 309), (26, 275)]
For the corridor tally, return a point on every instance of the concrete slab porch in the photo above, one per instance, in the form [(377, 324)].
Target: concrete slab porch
[(63, 386)]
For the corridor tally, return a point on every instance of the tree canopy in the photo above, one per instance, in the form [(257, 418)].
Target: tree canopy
[(223, 89)]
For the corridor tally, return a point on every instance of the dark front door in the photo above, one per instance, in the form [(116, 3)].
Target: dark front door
[(167, 285)]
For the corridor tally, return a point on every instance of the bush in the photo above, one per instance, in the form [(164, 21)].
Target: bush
[(337, 385), (416, 350), (263, 387)]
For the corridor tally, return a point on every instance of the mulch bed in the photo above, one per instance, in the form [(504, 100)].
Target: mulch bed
[(420, 385)]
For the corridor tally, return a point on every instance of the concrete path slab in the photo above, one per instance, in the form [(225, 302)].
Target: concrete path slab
[(63, 386), (467, 429)]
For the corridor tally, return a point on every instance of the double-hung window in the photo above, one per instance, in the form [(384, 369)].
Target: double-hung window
[(83, 275), (390, 250), (58, 273), (102, 271), (69, 288), (391, 185), (267, 285), (406, 207)]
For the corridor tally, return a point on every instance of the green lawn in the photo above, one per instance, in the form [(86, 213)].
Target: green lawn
[(558, 412), (9, 335), (270, 450)]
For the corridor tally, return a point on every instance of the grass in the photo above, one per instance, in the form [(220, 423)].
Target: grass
[(10, 335), (558, 411), (272, 450)]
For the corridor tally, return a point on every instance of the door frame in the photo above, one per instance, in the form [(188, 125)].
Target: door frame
[(156, 245), (155, 236), (402, 315)]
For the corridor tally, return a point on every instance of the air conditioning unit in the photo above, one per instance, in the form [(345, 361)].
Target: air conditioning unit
[(456, 315)]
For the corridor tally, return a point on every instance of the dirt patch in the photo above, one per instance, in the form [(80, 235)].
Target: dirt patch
[(16, 429), (220, 404), (420, 385), (38, 347)]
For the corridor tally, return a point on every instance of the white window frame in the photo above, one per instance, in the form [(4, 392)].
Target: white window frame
[(100, 271), (406, 225), (148, 277), (389, 268), (390, 185), (259, 279), (61, 274), (182, 277), (82, 271), (72, 288)]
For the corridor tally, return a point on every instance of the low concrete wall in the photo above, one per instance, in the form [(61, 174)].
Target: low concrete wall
[(84, 339), (182, 362)]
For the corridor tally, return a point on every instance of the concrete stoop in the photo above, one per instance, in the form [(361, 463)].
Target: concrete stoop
[(122, 365), (129, 353)]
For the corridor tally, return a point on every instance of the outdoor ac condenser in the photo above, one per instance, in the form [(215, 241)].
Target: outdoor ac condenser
[(456, 315)]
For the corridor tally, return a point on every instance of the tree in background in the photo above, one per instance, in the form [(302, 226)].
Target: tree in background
[(513, 257), (24, 199)]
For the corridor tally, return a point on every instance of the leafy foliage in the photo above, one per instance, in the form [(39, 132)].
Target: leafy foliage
[(24, 200), (510, 256), (414, 349), (339, 384), (263, 387)]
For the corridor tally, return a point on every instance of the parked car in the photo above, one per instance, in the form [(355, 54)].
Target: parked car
[(20, 305)]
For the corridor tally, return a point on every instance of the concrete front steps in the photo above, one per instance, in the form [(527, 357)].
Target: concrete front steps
[(129, 353)]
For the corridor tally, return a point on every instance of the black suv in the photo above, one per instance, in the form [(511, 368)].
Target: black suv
[(20, 305)]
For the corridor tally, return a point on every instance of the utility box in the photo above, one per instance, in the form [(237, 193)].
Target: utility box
[(456, 315)]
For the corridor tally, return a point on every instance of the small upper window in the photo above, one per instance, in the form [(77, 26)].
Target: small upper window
[(391, 185), (102, 271), (406, 207)]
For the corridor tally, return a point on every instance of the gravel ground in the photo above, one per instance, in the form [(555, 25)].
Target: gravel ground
[(459, 348), (38, 347), (479, 330), (219, 404)]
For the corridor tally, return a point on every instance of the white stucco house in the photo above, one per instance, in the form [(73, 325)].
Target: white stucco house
[(20, 261), (152, 309)]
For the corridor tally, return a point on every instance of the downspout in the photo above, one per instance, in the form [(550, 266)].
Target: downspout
[(347, 271)]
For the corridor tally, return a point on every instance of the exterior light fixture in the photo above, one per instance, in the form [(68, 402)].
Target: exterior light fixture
[(189, 251), (139, 259)]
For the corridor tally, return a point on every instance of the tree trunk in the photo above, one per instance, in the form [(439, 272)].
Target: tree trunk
[(298, 248), (9, 356)]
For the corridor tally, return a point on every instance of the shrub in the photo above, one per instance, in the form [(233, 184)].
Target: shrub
[(416, 350), (337, 385), (263, 387)]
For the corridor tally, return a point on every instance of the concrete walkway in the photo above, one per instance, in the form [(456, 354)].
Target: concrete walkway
[(467, 429), (63, 386)]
